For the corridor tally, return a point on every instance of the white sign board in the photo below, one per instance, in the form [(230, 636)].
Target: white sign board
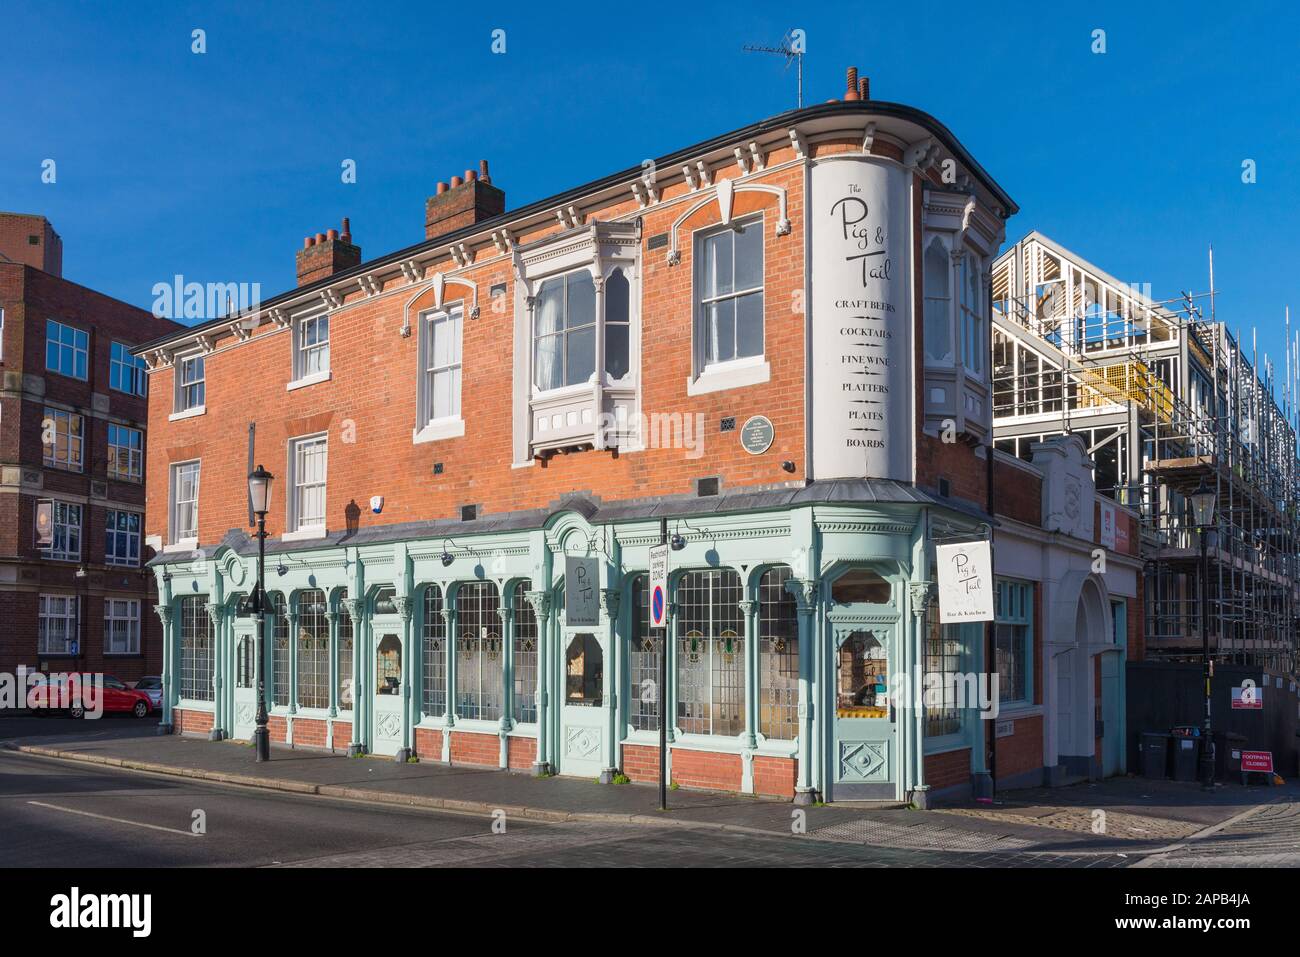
[(965, 582), (658, 595), (861, 319)]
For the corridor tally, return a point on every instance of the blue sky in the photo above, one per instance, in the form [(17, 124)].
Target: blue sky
[(216, 165)]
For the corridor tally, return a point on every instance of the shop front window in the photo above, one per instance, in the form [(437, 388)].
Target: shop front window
[(584, 672), (862, 686), (388, 666)]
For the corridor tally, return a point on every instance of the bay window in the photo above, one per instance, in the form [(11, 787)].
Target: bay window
[(972, 315), (938, 302), (564, 331)]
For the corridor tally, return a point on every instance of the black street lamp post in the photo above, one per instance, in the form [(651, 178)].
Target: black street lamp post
[(1203, 516), (259, 489)]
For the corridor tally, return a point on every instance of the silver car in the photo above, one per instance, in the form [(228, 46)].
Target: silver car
[(152, 686)]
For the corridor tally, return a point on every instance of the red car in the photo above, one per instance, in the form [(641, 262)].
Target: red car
[(117, 697)]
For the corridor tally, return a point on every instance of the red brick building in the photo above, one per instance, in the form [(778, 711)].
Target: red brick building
[(774, 341), (73, 409)]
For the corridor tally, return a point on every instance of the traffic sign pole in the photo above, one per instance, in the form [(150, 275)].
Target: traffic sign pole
[(659, 612)]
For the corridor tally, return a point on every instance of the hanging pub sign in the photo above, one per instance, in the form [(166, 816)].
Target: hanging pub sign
[(581, 591), (965, 582), (861, 319), (44, 523)]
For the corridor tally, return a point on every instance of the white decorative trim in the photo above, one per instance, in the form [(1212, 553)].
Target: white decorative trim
[(323, 376), (370, 286), (188, 413), (730, 375), (868, 136), (448, 428), (182, 545), (302, 534), (331, 298), (724, 194)]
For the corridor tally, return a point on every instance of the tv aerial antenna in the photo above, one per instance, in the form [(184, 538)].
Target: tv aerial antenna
[(792, 48)]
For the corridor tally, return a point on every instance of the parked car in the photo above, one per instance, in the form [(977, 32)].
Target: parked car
[(152, 686), (117, 697)]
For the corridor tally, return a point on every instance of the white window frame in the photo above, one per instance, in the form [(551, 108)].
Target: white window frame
[(66, 554), (2, 334), (430, 427), (70, 616), (936, 305), (49, 455), (742, 370), (111, 531), (131, 369), (175, 541), (134, 455), (127, 611), (295, 527), (302, 352), (78, 347), (184, 410)]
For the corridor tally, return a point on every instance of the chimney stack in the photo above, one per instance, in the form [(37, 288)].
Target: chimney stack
[(327, 253), (465, 202)]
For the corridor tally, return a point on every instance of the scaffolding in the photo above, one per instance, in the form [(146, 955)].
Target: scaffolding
[(1165, 399)]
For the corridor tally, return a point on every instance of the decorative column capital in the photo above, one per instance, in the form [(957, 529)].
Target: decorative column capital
[(354, 609), (747, 605), (215, 613), (405, 607), (609, 601), (541, 602), (447, 614), (804, 591), (165, 613), (920, 595), (507, 615)]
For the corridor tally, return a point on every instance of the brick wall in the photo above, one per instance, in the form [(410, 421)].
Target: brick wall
[(428, 744), (775, 776), (483, 750), (949, 769), (522, 752), (278, 728), (706, 769), (185, 721), (310, 733), (1022, 751), (641, 762), (1017, 493)]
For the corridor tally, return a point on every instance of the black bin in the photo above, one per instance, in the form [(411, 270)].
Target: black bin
[(1183, 757), (1228, 746), (1153, 754)]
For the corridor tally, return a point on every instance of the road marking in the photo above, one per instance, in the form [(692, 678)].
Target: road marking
[(117, 820)]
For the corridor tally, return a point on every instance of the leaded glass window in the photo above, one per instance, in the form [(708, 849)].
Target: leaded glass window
[(778, 657), (710, 653), (434, 653), (943, 661), (347, 691), (480, 668), (279, 650), (525, 656), (643, 662), (313, 650), (196, 649)]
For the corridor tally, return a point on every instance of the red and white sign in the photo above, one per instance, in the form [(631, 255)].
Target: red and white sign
[(1107, 534), (658, 586), (1257, 761), (1248, 697)]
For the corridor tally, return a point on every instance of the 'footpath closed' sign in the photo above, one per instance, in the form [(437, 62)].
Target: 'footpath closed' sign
[(1257, 761)]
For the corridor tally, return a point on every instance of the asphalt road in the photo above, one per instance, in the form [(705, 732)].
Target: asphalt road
[(71, 815)]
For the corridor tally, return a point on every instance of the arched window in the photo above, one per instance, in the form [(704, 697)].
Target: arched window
[(938, 303), (525, 658), (347, 691), (618, 317), (279, 625), (778, 657), (196, 649), (480, 668), (710, 653), (313, 647), (644, 649), (433, 634)]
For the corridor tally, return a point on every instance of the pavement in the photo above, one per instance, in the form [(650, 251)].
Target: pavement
[(1117, 821)]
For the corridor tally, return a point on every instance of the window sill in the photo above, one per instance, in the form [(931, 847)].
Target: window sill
[(302, 534), (187, 413), (184, 545), (439, 429), (732, 375), (308, 380)]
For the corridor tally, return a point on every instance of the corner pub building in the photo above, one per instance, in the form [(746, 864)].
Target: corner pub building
[(762, 338)]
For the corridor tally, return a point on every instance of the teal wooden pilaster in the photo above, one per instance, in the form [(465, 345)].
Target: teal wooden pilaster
[(919, 595), (805, 592), (670, 671), (449, 618), (293, 654), (541, 602), (749, 607), (216, 616), (403, 604), (164, 612), (610, 598), (355, 610), (506, 612), (332, 624)]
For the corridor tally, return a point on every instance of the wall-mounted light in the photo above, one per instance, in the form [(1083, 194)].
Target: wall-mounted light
[(677, 543), (447, 558), (281, 570)]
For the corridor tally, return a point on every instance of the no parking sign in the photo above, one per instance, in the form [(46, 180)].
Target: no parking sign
[(658, 586)]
